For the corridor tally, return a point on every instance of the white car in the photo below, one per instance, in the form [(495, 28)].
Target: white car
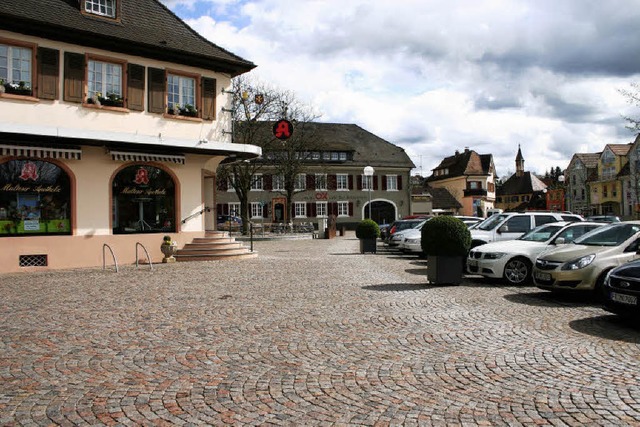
[(412, 239), (397, 238), (513, 260)]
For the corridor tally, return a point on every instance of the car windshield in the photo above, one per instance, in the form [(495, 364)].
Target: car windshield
[(612, 235), (407, 224), (492, 222), (542, 233)]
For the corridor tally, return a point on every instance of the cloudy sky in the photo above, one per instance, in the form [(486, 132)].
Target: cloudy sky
[(435, 76)]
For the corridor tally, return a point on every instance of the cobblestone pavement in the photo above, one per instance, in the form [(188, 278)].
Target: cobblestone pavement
[(309, 333)]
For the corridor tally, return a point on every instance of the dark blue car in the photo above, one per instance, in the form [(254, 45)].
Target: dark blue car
[(622, 289)]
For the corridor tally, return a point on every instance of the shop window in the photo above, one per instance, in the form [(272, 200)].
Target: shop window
[(144, 201), (35, 199)]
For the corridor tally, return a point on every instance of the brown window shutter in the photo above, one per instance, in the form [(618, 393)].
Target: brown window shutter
[(332, 182), (218, 209), (384, 182), (310, 183), (208, 98), (267, 182), (48, 73), (350, 208), (73, 77), (157, 83), (359, 182), (265, 211), (311, 209), (374, 178), (399, 182), (350, 182), (135, 87)]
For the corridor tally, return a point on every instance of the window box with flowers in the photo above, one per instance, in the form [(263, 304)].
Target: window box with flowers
[(111, 100), (187, 111), (20, 88)]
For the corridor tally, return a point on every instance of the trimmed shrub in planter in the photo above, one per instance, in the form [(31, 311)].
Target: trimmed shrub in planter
[(446, 241), (368, 232)]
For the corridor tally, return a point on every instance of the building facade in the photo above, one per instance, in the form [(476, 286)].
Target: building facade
[(470, 178), (577, 174), (333, 184), (605, 187), (112, 130), (522, 190)]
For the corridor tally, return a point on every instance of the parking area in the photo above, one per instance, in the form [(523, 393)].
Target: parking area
[(311, 332)]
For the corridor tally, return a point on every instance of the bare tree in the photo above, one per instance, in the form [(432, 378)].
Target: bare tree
[(255, 107), (633, 97)]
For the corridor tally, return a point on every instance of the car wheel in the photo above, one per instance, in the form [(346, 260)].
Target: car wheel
[(517, 271)]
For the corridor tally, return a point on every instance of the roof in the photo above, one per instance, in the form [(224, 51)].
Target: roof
[(526, 184), (590, 160), (466, 163), (441, 198), (144, 27), (366, 147), (619, 149)]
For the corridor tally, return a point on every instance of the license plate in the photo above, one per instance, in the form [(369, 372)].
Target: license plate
[(624, 299), (542, 276)]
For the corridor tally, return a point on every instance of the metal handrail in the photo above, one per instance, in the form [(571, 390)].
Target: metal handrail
[(104, 260), (195, 214), (145, 251)]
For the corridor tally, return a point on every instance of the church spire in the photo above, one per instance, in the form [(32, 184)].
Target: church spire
[(519, 163)]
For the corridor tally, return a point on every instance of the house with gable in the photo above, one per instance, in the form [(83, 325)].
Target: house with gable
[(113, 126), (522, 190), (606, 189), (581, 167), (470, 178)]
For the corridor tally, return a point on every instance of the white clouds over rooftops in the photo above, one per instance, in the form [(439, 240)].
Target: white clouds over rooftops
[(436, 76)]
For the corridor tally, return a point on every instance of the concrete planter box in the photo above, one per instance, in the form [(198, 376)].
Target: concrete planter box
[(368, 245), (444, 269)]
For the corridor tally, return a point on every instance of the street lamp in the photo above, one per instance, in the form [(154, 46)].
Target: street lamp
[(368, 172)]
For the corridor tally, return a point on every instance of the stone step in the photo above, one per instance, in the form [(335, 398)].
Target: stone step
[(212, 251), (213, 244), (218, 257)]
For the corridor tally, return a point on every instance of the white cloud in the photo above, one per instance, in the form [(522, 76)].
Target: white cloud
[(434, 76)]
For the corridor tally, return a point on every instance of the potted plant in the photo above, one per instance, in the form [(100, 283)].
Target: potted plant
[(368, 232), (445, 241), (169, 249)]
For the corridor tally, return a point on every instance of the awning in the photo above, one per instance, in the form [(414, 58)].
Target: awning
[(132, 156), (41, 152)]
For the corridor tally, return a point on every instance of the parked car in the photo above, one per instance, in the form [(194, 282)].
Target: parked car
[(603, 218), (229, 222), (384, 230), (411, 240), (622, 289), (584, 264), (512, 260), (400, 225), (511, 225)]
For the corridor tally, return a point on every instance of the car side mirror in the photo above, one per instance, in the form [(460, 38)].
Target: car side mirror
[(560, 241), (503, 229)]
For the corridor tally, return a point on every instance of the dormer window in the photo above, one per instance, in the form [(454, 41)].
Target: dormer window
[(101, 7)]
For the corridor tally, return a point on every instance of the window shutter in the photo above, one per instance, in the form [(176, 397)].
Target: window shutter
[(310, 182), (384, 182), (399, 182), (265, 210), (73, 77), (332, 182), (311, 209), (267, 182), (219, 209), (333, 208), (156, 90), (135, 87), (350, 182), (208, 98), (374, 178), (48, 73), (350, 208), (359, 182)]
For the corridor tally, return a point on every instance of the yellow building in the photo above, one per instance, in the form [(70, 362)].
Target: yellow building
[(605, 187)]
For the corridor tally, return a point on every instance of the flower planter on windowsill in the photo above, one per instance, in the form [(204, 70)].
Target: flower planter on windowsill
[(19, 97), (103, 107), (178, 117)]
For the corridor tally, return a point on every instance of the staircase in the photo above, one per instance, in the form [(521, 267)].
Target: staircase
[(215, 245)]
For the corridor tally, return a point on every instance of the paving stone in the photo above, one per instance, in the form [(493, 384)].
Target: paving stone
[(311, 332)]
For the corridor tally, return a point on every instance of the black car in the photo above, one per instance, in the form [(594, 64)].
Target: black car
[(622, 289)]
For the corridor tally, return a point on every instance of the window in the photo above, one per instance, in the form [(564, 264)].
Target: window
[(231, 186), (143, 200), (321, 209), (181, 92), (15, 65), (104, 80), (301, 182), (256, 183), (342, 181), (234, 209), (36, 198), (321, 182), (343, 156), (101, 7), (367, 182), (256, 210), (300, 209), (335, 155), (605, 191), (544, 219), (278, 182), (392, 182), (343, 208), (518, 224), (475, 185)]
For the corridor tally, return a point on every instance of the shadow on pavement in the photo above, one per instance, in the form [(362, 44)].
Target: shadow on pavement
[(608, 326), (420, 271), (551, 299), (398, 287)]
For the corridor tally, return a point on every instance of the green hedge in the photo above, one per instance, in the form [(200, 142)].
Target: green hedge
[(367, 229), (445, 236)]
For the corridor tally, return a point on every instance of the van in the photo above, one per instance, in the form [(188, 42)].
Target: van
[(511, 225)]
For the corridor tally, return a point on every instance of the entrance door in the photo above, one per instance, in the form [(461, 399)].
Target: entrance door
[(278, 213)]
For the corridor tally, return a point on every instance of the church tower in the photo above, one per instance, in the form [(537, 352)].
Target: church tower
[(519, 163)]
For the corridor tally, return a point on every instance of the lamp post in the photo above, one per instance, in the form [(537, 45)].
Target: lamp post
[(368, 172)]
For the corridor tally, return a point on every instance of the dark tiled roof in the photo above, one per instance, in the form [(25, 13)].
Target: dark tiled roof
[(442, 199), (145, 28), (366, 147), (466, 163), (525, 184), (590, 160)]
